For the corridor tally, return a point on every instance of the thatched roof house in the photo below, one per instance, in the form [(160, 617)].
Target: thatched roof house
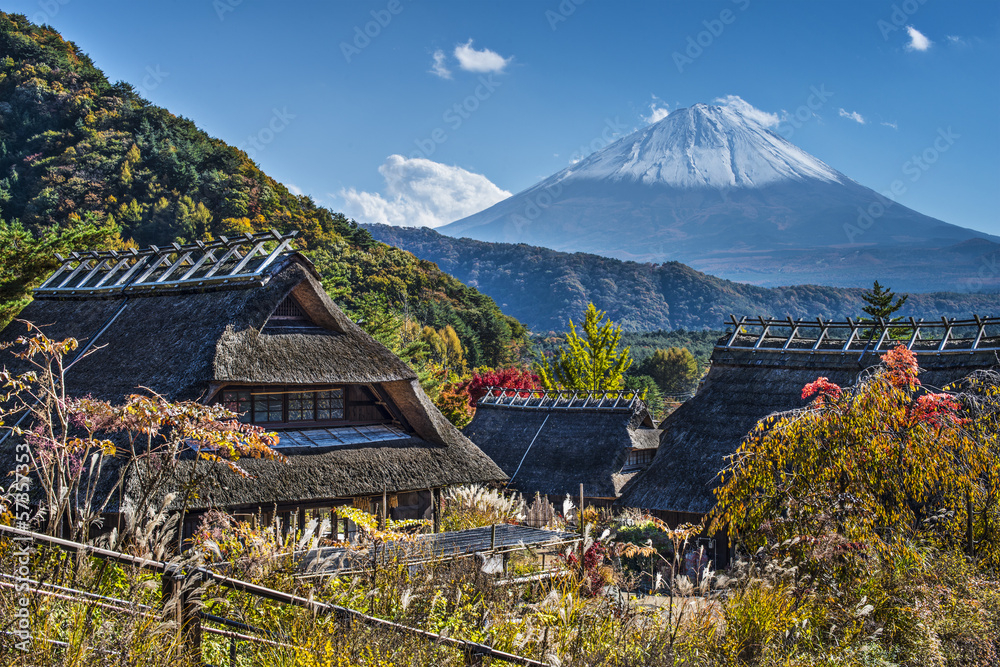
[(760, 368), (245, 322), (551, 442)]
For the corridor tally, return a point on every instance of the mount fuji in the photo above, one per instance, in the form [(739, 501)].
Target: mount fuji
[(713, 188)]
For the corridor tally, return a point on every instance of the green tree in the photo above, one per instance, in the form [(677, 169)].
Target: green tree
[(591, 362), (649, 392), (675, 370), (882, 302), (26, 259)]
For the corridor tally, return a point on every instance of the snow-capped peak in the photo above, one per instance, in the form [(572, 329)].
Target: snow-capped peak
[(703, 146)]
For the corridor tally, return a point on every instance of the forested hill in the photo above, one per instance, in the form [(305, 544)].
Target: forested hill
[(82, 158), (543, 287)]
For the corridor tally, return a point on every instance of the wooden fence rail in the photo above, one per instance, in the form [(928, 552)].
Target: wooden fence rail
[(176, 583)]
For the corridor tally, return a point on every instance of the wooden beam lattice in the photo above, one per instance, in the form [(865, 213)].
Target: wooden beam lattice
[(539, 399), (788, 335), (200, 264)]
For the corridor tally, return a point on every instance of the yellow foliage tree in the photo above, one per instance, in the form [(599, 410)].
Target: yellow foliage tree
[(591, 362), (875, 465)]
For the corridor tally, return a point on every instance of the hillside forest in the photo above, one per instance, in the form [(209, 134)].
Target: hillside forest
[(89, 164)]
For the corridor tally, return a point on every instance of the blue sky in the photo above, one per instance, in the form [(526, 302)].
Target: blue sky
[(541, 83)]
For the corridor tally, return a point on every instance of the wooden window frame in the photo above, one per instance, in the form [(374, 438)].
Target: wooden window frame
[(649, 454), (285, 391)]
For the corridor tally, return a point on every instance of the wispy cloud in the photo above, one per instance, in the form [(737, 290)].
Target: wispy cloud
[(482, 61), (422, 193), (892, 125), (853, 115), (918, 41), (439, 68), (657, 111), (294, 189), (748, 110)]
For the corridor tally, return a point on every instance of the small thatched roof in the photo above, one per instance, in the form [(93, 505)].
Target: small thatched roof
[(550, 447), (187, 339), (745, 385)]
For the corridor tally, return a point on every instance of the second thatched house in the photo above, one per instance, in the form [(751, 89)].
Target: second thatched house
[(760, 367), (552, 442), (245, 322)]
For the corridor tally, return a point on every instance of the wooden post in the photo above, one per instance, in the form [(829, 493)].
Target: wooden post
[(582, 527), (384, 515), (493, 537), (436, 505)]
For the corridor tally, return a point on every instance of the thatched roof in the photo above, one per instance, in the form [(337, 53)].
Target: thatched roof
[(189, 340), (550, 448), (742, 387), (177, 343)]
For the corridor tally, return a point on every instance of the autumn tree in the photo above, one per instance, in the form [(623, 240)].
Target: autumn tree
[(675, 371), (79, 450), (508, 378), (870, 466), (592, 361)]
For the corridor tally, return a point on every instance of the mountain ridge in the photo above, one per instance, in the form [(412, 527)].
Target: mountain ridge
[(543, 288)]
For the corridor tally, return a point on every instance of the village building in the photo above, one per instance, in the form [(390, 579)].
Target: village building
[(245, 322), (549, 443), (760, 367)]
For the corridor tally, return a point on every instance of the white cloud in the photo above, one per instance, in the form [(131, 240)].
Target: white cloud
[(657, 112), (892, 125), (918, 42), (472, 60), (422, 193), (294, 189), (748, 110), (853, 115), (439, 68)]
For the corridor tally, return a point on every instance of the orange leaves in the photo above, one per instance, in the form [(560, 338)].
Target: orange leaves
[(901, 365), (935, 410), (823, 389)]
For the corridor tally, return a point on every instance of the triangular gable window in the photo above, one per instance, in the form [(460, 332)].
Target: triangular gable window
[(289, 316)]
